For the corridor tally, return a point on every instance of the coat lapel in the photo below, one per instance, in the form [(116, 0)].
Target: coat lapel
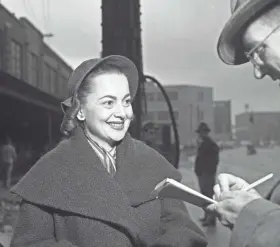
[(139, 169), (72, 178)]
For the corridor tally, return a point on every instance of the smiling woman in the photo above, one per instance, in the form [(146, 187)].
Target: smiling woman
[(106, 110), (94, 188)]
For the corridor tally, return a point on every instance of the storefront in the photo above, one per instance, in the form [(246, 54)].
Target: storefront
[(31, 118)]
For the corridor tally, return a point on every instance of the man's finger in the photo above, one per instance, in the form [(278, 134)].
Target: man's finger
[(211, 207), (223, 181), (230, 182), (217, 192)]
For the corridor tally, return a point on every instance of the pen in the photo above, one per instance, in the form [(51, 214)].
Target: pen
[(258, 182)]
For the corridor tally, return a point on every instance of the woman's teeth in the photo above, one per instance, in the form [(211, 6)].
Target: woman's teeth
[(116, 125)]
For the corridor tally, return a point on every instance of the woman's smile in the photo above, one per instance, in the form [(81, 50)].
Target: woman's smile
[(116, 125)]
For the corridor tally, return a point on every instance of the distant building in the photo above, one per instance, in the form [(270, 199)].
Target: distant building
[(222, 120), (258, 127), (26, 56), (191, 105)]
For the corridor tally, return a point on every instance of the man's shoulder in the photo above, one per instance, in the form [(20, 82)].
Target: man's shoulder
[(211, 141)]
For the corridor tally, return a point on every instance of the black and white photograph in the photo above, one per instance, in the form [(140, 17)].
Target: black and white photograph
[(139, 123)]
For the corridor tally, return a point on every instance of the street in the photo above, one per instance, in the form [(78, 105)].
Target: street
[(233, 161)]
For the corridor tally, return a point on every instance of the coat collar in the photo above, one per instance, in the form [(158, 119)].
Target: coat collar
[(72, 178)]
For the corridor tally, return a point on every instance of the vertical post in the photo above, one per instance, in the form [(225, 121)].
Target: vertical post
[(137, 106), (121, 35), (49, 128)]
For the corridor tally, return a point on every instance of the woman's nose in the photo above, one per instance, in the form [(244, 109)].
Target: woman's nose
[(120, 111)]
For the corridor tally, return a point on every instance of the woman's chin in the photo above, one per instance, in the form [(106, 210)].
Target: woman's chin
[(116, 137)]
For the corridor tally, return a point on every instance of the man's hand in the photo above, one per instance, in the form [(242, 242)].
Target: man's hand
[(228, 182), (231, 198), (230, 205)]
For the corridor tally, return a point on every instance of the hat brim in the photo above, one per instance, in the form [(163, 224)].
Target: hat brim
[(66, 104), (229, 47), (127, 67)]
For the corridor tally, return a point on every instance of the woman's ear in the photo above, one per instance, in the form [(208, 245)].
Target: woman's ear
[(81, 115)]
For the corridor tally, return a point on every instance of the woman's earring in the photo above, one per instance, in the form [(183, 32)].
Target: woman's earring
[(81, 115)]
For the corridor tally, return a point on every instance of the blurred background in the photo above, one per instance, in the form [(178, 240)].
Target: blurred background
[(182, 83)]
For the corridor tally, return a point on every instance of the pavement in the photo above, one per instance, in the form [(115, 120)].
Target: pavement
[(237, 162), (233, 161)]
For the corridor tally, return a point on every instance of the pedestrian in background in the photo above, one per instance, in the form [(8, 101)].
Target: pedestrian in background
[(8, 157), (206, 162), (149, 135)]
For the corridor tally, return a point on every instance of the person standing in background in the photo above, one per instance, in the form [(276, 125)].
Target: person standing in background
[(206, 163), (8, 157)]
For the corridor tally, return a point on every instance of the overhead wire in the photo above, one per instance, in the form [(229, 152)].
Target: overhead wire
[(29, 9), (48, 14), (43, 10)]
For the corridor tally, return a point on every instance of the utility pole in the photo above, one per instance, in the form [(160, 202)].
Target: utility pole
[(121, 35)]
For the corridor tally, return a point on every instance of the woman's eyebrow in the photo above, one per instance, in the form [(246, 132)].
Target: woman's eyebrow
[(108, 96), (126, 95)]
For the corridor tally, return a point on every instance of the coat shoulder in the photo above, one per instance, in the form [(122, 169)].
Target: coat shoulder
[(153, 160), (45, 167)]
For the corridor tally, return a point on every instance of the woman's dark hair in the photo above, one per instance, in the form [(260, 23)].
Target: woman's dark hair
[(70, 121)]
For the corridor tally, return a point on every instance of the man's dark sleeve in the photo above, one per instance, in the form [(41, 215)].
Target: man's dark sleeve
[(258, 225)]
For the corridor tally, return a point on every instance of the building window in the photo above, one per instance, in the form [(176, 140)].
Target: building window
[(1, 49), (200, 96), (150, 96), (33, 69), (15, 59), (160, 96), (149, 116), (163, 115), (47, 76), (176, 115), (199, 115), (53, 84), (63, 85), (172, 95)]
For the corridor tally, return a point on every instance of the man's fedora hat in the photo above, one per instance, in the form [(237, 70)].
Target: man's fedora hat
[(229, 46), (203, 127), (85, 68)]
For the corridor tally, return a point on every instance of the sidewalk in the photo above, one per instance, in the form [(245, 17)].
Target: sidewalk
[(236, 161), (233, 161)]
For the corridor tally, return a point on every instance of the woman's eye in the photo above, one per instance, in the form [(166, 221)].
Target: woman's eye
[(108, 103), (127, 102)]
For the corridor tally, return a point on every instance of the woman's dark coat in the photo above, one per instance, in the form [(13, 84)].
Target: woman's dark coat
[(69, 195)]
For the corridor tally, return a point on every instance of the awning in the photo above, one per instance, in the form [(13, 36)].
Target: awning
[(21, 90)]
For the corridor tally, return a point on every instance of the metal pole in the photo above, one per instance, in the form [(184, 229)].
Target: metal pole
[(173, 121), (49, 128)]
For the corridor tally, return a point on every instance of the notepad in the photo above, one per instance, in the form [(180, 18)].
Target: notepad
[(170, 188)]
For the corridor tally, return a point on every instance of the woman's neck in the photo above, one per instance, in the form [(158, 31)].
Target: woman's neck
[(107, 146)]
